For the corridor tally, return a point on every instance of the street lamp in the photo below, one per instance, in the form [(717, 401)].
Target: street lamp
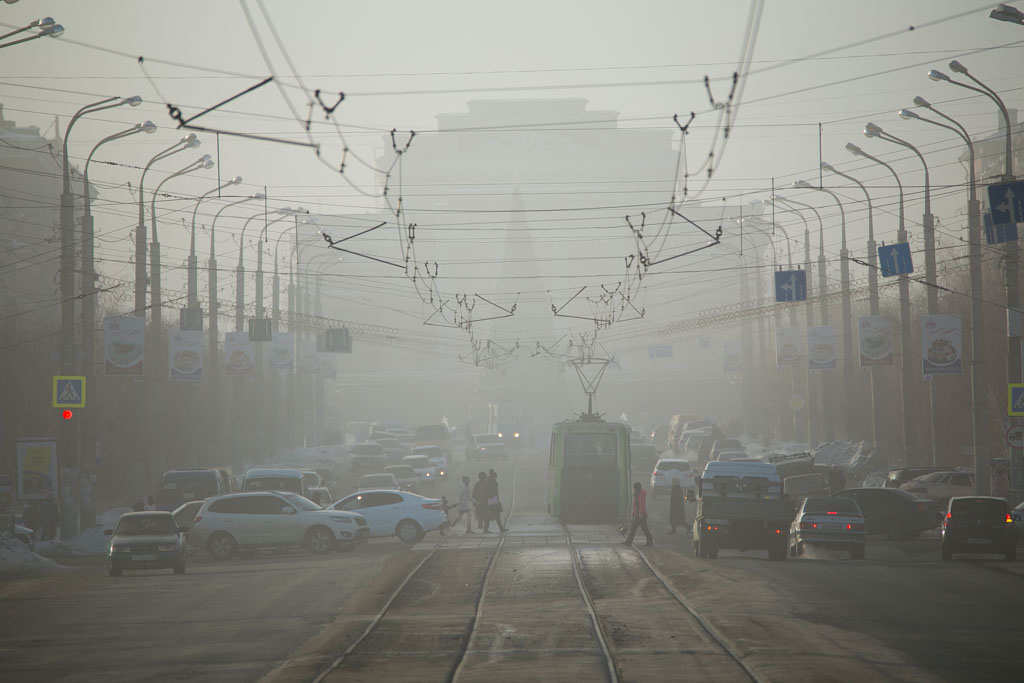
[(240, 270), (1007, 13), (276, 298), (193, 270), (46, 26), (978, 395), (907, 368)]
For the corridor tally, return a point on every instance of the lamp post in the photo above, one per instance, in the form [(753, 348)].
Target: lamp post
[(240, 269), (1011, 275), (876, 402), (46, 26), (907, 368), (980, 445), (193, 262), (846, 307)]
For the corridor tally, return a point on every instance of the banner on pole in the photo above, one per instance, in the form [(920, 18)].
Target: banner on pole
[(941, 345), (787, 346), (37, 469), (239, 354), (185, 348), (875, 334), (282, 351), (123, 344), (821, 347)]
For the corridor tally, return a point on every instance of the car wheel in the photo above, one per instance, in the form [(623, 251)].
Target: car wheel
[(947, 552), (221, 546), (857, 553), (319, 540), (1011, 553), (114, 571), (409, 532)]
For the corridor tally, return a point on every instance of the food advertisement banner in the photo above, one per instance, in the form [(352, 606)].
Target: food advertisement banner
[(875, 333), (37, 469), (787, 346), (185, 348), (123, 344), (239, 354), (821, 347), (282, 351), (942, 345)]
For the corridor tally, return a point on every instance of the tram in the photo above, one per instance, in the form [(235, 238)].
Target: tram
[(588, 471)]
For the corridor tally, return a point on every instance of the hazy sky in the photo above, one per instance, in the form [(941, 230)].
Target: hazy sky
[(402, 63)]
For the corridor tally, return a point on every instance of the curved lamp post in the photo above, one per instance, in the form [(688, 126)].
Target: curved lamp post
[(47, 27), (212, 271), (193, 263)]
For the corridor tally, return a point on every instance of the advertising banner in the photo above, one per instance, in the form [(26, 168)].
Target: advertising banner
[(123, 344), (239, 354), (822, 347), (37, 469), (282, 351), (185, 348), (942, 345), (877, 341), (787, 346)]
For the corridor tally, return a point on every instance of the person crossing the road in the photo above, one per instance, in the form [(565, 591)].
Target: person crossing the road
[(639, 515), (493, 501), (480, 499), (465, 505)]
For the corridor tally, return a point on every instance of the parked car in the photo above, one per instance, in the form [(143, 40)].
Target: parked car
[(666, 470), (273, 479), (272, 519), (893, 512), (181, 486), (834, 522), (145, 540), (423, 468), (978, 524), (901, 475), (185, 516), (408, 516), (379, 480), (406, 475), (941, 486)]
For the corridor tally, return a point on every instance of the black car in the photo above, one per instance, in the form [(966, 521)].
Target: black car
[(146, 540), (978, 524), (893, 512), (901, 475)]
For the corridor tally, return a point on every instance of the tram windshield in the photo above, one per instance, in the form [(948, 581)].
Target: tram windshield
[(590, 449)]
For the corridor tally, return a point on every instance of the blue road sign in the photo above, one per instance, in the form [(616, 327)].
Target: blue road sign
[(1006, 201), (1015, 399), (998, 233), (68, 391), (895, 259), (790, 285)]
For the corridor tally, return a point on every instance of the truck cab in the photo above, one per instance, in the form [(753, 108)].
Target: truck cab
[(740, 505)]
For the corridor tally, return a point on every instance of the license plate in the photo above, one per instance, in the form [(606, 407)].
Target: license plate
[(143, 558), (979, 541)]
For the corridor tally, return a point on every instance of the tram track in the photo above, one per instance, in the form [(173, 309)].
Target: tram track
[(727, 648), (379, 618)]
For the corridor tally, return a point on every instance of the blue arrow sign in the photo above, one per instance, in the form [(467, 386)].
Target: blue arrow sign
[(895, 259), (1006, 201), (790, 285), (997, 233)]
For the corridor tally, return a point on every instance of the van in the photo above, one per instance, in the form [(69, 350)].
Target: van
[(267, 479), (181, 486), (757, 479)]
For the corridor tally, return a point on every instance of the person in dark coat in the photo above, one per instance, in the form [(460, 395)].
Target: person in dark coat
[(493, 503), (639, 516), (480, 499), (676, 513)]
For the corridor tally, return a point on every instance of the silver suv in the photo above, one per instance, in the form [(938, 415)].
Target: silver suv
[(273, 518)]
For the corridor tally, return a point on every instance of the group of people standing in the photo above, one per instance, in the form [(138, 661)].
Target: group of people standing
[(483, 501)]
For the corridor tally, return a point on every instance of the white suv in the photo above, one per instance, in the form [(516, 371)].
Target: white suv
[(273, 518), (668, 470)]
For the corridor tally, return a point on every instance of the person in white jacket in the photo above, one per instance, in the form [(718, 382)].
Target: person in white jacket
[(465, 505)]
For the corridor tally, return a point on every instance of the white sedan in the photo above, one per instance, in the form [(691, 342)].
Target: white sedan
[(396, 513)]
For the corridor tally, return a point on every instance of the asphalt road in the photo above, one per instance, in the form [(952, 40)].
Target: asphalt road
[(901, 614)]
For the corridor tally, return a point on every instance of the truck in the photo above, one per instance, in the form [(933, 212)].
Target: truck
[(740, 506)]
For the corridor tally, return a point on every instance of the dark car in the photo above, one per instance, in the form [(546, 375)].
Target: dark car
[(978, 524), (145, 540), (901, 475), (892, 512)]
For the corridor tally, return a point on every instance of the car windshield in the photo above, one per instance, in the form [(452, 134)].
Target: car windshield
[(978, 508), (842, 506), (304, 504), (678, 465), (146, 525), (273, 484)]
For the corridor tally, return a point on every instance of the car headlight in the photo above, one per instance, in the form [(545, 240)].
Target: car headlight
[(118, 548), (167, 547), (516, 435), (428, 475), (441, 473)]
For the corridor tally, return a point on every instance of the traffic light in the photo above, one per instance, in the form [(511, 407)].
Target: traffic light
[(67, 414)]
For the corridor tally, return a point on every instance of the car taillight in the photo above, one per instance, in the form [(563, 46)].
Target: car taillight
[(831, 513), (1009, 518), (658, 473), (778, 531), (808, 525), (431, 506)]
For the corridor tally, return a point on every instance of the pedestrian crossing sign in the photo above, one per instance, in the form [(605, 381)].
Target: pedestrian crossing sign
[(68, 391), (1015, 400)]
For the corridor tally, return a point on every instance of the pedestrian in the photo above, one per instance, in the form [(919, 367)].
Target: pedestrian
[(493, 503), (639, 515), (676, 513), (465, 506), (480, 500)]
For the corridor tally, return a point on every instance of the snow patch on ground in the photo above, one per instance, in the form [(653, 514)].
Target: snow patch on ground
[(16, 558), (91, 541)]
